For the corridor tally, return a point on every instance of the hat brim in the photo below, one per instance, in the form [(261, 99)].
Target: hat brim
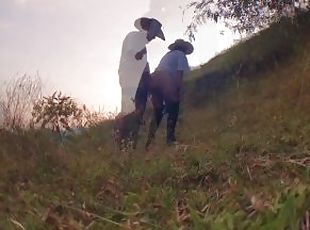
[(188, 47), (159, 33)]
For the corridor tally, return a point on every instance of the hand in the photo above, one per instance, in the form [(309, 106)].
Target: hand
[(139, 55)]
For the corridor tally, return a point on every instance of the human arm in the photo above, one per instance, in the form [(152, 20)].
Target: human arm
[(134, 45), (139, 55), (182, 69)]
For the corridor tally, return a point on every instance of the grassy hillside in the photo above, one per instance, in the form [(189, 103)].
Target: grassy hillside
[(270, 48), (243, 163)]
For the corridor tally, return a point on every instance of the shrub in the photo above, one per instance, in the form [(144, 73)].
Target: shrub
[(62, 113)]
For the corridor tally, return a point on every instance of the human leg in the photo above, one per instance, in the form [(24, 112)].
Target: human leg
[(173, 113), (158, 107), (142, 95)]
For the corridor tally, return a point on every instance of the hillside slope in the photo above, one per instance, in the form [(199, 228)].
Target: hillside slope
[(243, 163), (277, 45)]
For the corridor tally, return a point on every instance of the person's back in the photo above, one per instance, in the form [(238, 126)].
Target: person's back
[(173, 62), (166, 75)]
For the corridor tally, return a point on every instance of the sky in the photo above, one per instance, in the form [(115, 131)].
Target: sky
[(75, 45)]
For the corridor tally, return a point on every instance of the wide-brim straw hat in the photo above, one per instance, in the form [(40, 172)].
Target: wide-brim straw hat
[(154, 28), (180, 44)]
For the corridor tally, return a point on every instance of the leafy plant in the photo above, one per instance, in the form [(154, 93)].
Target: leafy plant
[(243, 15), (60, 113)]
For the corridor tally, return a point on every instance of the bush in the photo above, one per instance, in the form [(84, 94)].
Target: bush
[(61, 113)]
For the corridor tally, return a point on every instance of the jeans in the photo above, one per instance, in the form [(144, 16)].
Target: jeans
[(165, 99)]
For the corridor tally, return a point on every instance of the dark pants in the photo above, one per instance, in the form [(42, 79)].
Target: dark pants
[(165, 99), (142, 95)]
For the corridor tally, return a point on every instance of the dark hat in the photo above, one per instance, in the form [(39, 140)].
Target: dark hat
[(181, 44), (154, 28)]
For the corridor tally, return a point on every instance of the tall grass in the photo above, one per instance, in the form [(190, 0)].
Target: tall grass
[(16, 101)]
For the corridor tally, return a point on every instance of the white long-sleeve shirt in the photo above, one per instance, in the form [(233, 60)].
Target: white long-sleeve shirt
[(131, 69)]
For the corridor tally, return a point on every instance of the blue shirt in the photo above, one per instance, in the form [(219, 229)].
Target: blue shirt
[(173, 62)]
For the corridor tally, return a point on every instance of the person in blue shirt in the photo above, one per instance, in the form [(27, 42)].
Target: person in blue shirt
[(166, 88)]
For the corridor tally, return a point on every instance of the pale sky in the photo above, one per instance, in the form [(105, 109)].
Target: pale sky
[(75, 45)]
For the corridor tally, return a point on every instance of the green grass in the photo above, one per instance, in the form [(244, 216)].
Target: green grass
[(243, 161)]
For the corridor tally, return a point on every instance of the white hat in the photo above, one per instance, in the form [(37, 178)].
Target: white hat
[(154, 27)]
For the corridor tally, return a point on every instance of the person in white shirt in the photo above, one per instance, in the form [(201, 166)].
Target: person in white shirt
[(166, 88), (133, 68)]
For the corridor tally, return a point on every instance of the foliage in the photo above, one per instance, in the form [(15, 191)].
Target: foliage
[(60, 113), (243, 15), (16, 104)]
